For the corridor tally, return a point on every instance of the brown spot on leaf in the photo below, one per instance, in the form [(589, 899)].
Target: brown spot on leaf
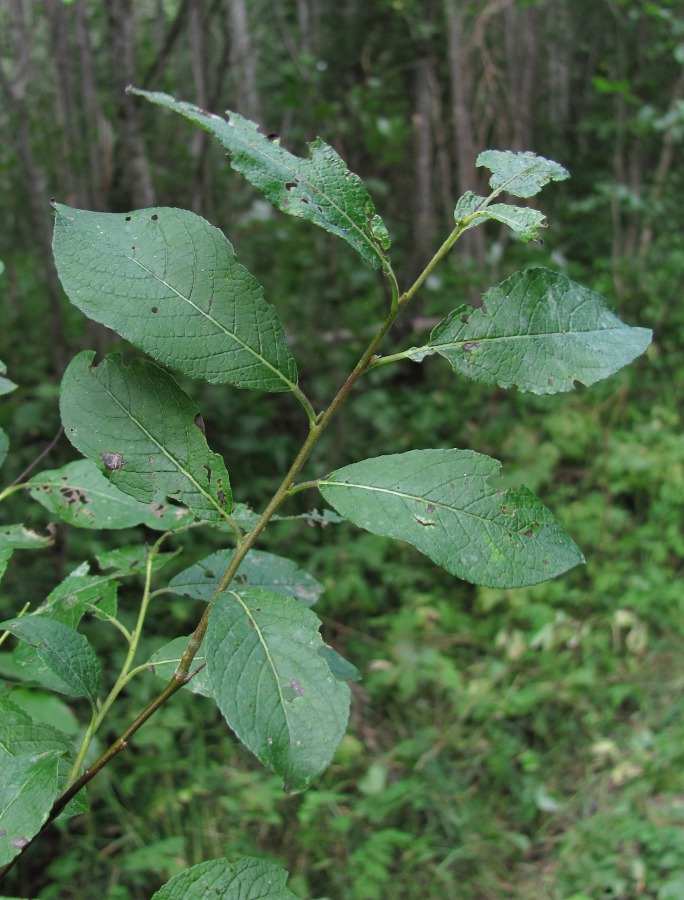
[(19, 842), (199, 421), (297, 687), (112, 461)]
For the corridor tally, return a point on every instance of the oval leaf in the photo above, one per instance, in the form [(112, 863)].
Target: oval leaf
[(28, 788), (273, 687), (539, 331), (320, 189), (144, 433), (521, 174), (80, 494), (247, 878), (169, 282), (70, 661), (258, 569), (441, 501)]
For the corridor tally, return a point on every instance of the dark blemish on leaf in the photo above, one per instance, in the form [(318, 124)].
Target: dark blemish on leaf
[(128, 218), (431, 508), (152, 460), (199, 421), (465, 318), (290, 184), (303, 200), (528, 533), (154, 218), (257, 609), (537, 240), (207, 469), (19, 842), (545, 562), (469, 346), (504, 509), (112, 461), (484, 309), (275, 138), (427, 523), (221, 498), (155, 309), (150, 669), (297, 687), (549, 381), (2, 832)]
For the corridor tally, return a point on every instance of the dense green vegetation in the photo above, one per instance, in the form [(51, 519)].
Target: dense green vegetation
[(503, 743)]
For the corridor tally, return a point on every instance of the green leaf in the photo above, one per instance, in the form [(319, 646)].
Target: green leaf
[(80, 495), (132, 559), (320, 189), (6, 386), (19, 537), (442, 502), (4, 445), (28, 788), (540, 331), (68, 602), (525, 222), (521, 174), (144, 432), (20, 735), (258, 569), (269, 681), (247, 878), (164, 662), (67, 662), (170, 283), (340, 667)]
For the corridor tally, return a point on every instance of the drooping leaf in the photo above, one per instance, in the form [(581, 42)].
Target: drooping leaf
[(169, 282), (143, 431), (6, 386), (28, 788), (81, 495), (247, 878), (20, 537), (520, 174), (525, 222), (539, 331), (258, 569), (269, 681), (320, 189), (164, 662), (65, 660), (443, 502)]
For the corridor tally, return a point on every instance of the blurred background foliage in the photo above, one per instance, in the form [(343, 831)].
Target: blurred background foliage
[(525, 743)]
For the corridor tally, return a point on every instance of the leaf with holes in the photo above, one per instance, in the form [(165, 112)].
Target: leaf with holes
[(247, 878), (273, 685), (64, 660), (538, 331), (525, 222), (81, 495), (170, 283), (320, 188), (145, 434), (258, 569), (521, 174), (443, 502)]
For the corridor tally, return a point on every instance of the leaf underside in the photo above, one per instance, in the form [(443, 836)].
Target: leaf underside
[(274, 688), (137, 425), (442, 502), (539, 331), (320, 188), (169, 282)]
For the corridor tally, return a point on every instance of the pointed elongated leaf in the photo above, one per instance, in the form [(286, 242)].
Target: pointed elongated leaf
[(521, 174), (445, 504), (320, 189), (164, 662), (258, 569), (169, 282), (525, 222), (20, 735), (247, 878), (144, 432), (78, 592), (81, 495), (67, 662), (275, 690), (28, 787), (538, 331)]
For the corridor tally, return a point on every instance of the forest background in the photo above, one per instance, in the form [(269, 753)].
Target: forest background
[(525, 743)]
